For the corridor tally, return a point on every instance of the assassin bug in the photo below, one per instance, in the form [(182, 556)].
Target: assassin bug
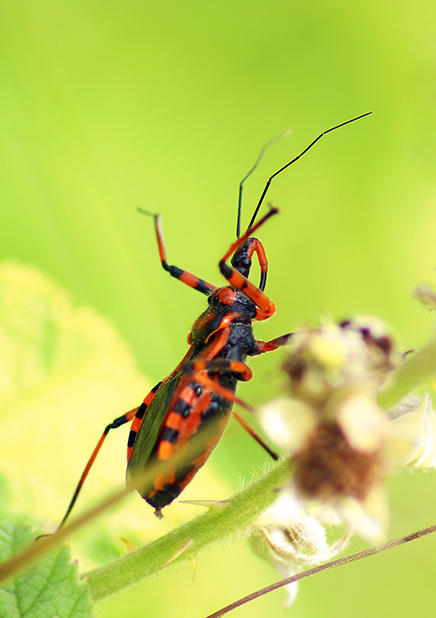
[(199, 393)]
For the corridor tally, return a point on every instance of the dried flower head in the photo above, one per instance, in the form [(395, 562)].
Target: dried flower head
[(323, 360), (292, 541), (342, 443)]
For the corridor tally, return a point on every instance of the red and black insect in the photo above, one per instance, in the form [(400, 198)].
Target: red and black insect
[(199, 393)]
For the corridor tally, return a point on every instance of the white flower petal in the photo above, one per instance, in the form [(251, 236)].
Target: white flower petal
[(263, 550), (287, 570), (287, 507), (363, 422), (415, 418), (370, 518), (287, 422)]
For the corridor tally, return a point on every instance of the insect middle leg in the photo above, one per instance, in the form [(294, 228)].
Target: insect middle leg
[(199, 370)]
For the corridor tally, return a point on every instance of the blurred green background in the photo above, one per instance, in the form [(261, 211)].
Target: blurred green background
[(105, 106)]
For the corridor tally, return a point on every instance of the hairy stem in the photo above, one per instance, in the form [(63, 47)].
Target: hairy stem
[(222, 520)]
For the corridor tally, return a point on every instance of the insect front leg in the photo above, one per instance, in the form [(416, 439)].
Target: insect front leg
[(243, 249), (183, 275)]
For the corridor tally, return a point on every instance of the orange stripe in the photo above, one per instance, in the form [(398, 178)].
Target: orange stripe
[(187, 395), (165, 451), (188, 478), (159, 236), (190, 425), (168, 476), (136, 424), (172, 421), (189, 279), (149, 398)]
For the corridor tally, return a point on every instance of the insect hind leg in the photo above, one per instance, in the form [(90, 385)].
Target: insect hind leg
[(118, 422)]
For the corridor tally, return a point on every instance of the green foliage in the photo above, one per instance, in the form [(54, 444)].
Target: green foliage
[(65, 370), (48, 589)]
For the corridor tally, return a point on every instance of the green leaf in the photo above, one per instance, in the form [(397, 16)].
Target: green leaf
[(49, 589)]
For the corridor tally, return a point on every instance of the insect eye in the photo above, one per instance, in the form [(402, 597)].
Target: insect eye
[(245, 262)]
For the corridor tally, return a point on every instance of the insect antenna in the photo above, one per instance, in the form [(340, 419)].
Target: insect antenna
[(262, 152), (264, 192)]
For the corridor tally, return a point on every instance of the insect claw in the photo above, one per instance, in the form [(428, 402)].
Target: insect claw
[(274, 208), (147, 212)]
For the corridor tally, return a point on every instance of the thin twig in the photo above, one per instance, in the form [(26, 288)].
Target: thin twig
[(324, 567)]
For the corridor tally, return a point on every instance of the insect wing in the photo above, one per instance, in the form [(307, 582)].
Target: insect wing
[(148, 434)]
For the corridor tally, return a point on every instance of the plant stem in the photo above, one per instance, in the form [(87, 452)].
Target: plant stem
[(222, 520), (418, 367)]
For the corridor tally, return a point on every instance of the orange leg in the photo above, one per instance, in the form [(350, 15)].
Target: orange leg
[(199, 369), (183, 275)]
